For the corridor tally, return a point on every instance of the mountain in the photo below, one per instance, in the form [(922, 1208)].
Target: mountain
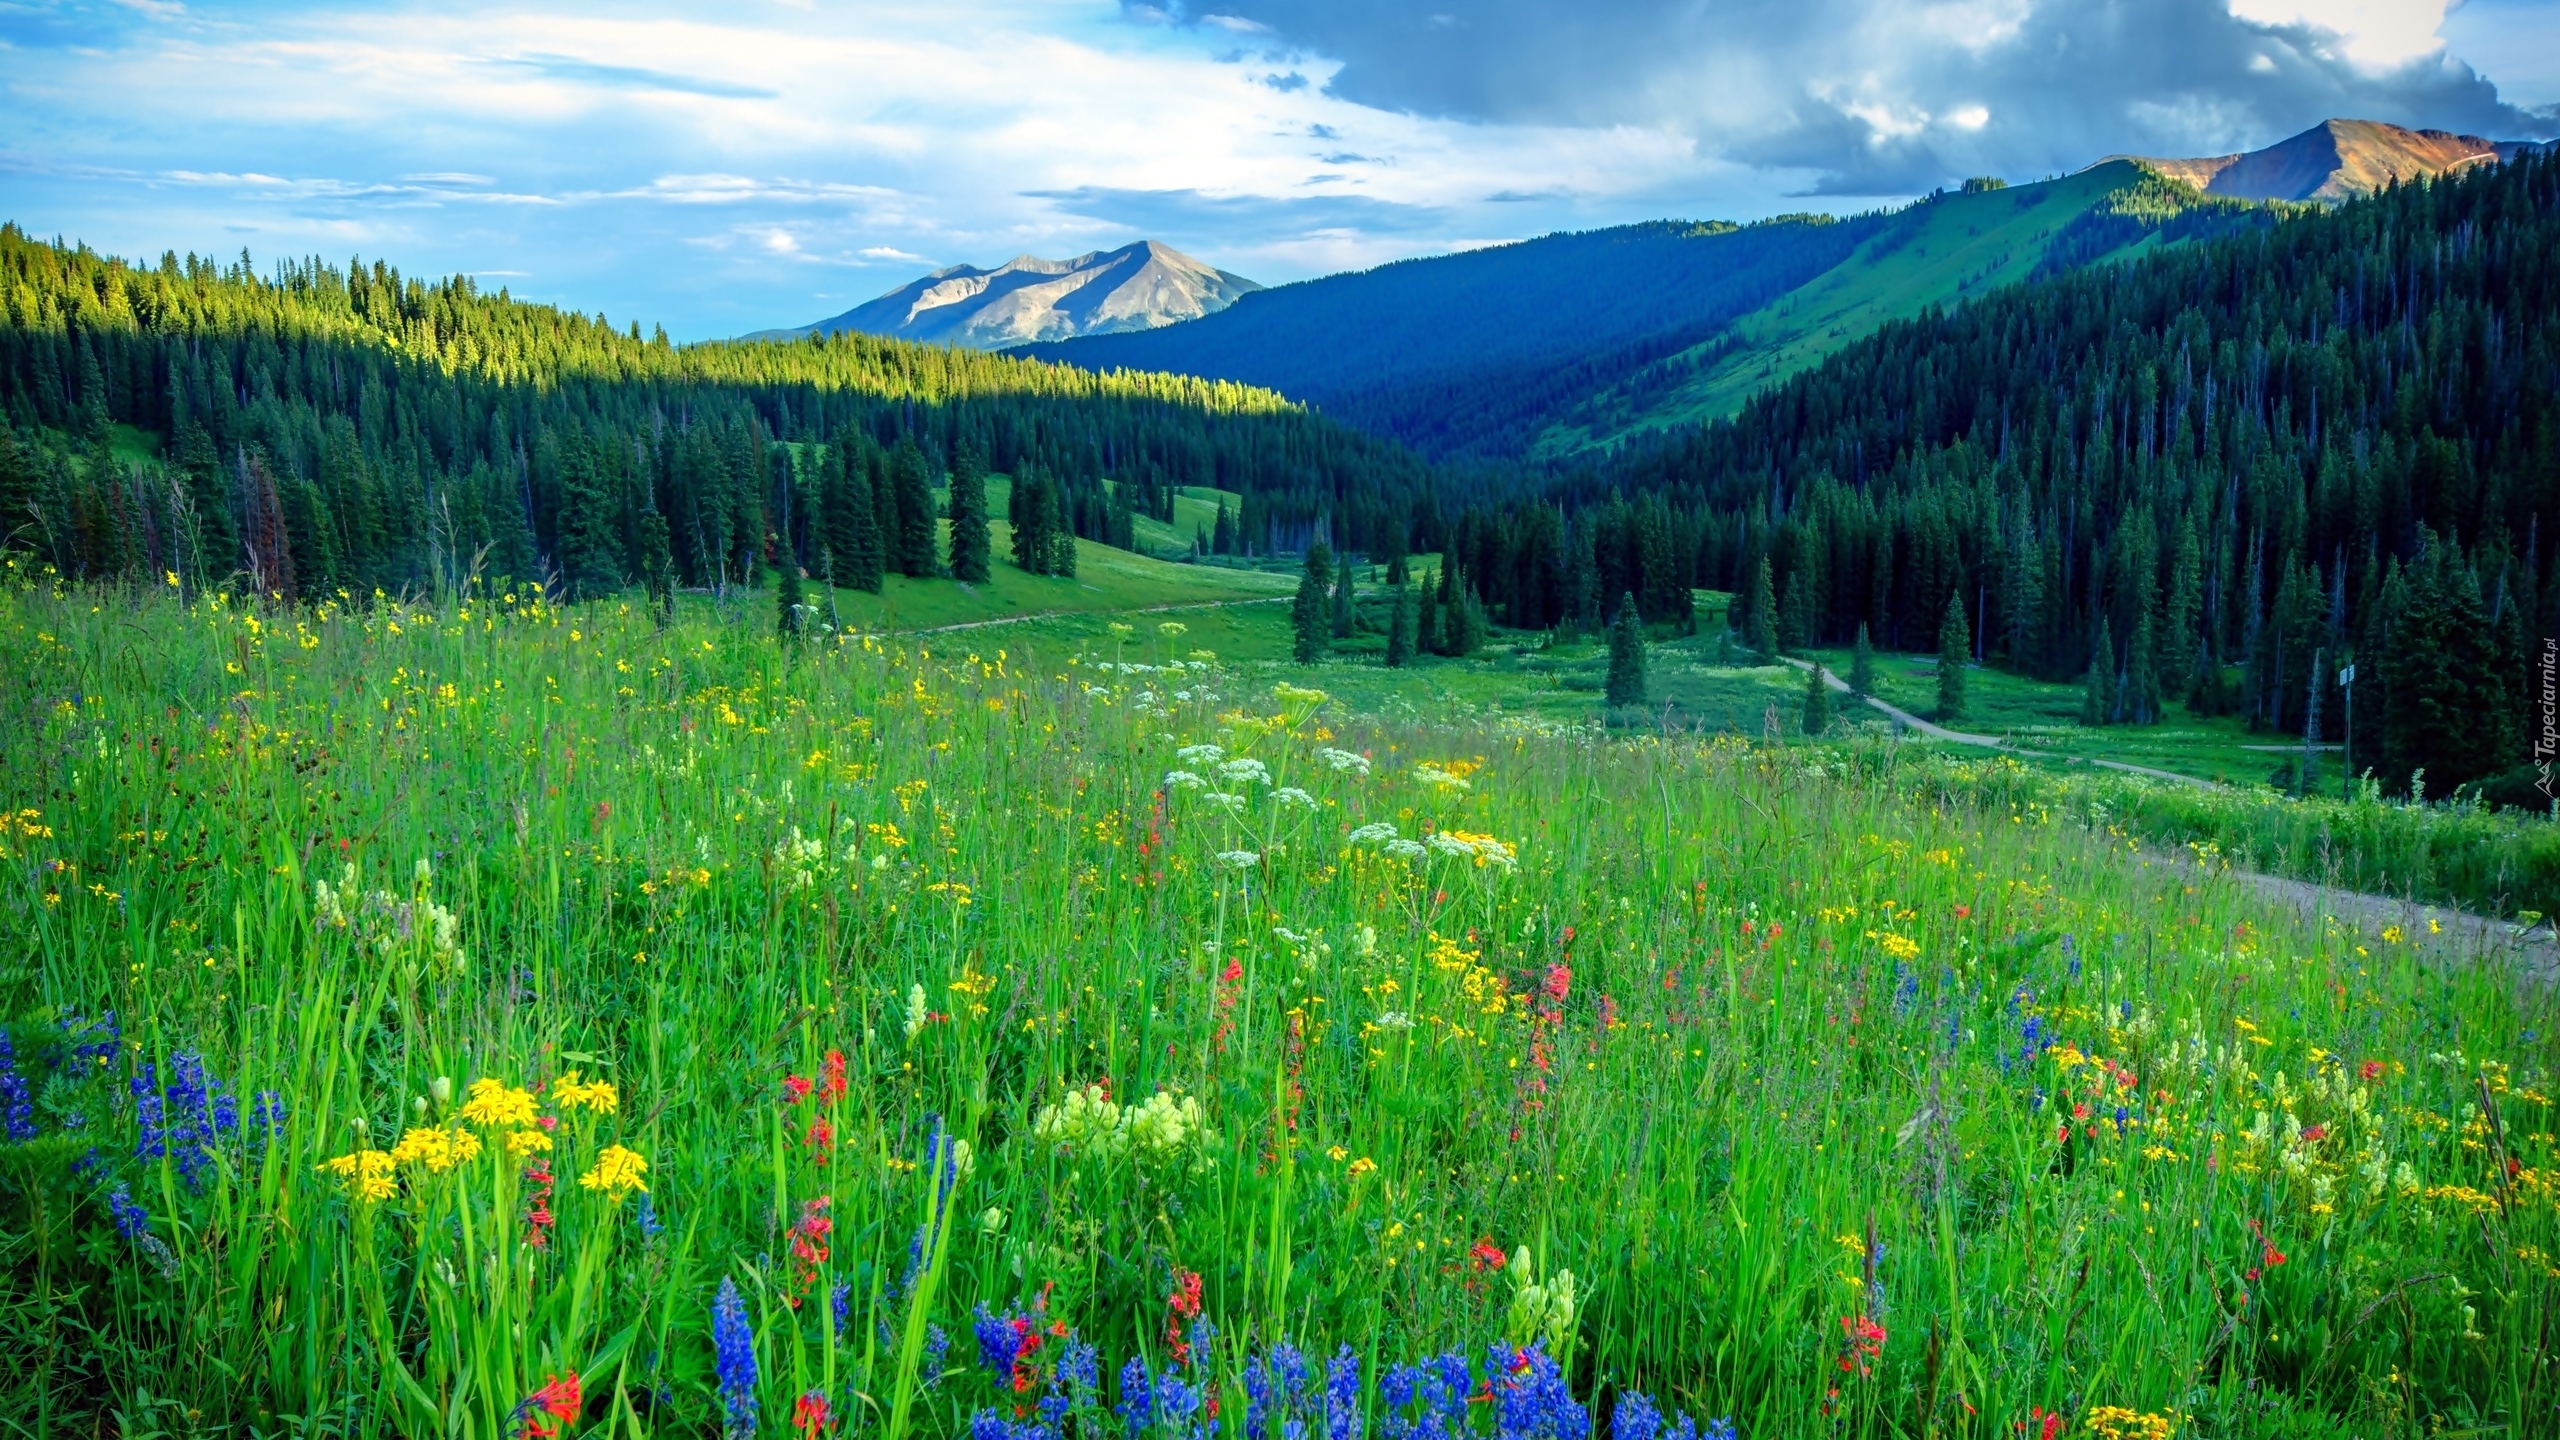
[(1571, 342), (1105, 292), (2332, 161)]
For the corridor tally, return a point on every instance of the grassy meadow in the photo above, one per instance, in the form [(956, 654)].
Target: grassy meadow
[(492, 1019)]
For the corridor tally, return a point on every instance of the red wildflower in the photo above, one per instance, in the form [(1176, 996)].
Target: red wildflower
[(1182, 1306), (809, 1246), (2369, 1071), (2048, 1423), (1485, 1255), (1862, 1340), (795, 1088), (820, 1138), (543, 1411), (537, 1203), (833, 1086), (809, 1414), (1559, 982), (1964, 912), (2315, 1132)]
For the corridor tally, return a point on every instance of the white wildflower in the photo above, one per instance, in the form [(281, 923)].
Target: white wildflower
[(1232, 804), (1403, 849), (1292, 795), (1247, 771), (1344, 761), (1375, 833), (1200, 754), (1183, 780)]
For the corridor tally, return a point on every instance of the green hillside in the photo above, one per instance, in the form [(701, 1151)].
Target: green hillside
[(1942, 252)]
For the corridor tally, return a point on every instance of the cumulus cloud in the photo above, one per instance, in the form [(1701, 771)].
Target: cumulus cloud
[(1892, 96)]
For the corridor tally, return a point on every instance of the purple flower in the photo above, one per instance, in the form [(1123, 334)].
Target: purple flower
[(996, 1342), (1530, 1398), (1342, 1395), (646, 1217), (734, 1346), (937, 1354), (134, 1223), (17, 1112), (1634, 1419), (1721, 1428), (1137, 1397)]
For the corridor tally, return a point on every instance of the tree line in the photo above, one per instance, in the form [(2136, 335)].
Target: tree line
[(318, 429)]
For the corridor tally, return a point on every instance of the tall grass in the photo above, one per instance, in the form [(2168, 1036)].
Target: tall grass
[(925, 980), (2457, 852)]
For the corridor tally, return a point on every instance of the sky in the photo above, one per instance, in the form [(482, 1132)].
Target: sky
[(724, 168)]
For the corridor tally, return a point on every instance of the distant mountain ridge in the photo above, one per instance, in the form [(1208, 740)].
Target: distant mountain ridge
[(2332, 161), (1028, 299)]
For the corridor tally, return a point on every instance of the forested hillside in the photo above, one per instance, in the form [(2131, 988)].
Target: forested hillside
[(1570, 343), (319, 430), (2334, 437)]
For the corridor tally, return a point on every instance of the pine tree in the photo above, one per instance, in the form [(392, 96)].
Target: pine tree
[(1343, 611), (787, 598), (827, 578), (1817, 701), (588, 564), (911, 489), (2142, 679), (1062, 534), (1862, 666), (1307, 619), (1034, 511), (1426, 629), (2097, 690), (1400, 630), (969, 532), (1955, 650), (1626, 655), (1763, 635)]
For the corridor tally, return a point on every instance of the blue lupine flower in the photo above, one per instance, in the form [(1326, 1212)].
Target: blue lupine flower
[(1081, 1367), (267, 1113), (840, 1304), (646, 1216), (1342, 1395), (735, 1347), (1530, 1398), (1137, 1397), (91, 1041), (996, 1342), (2071, 952), (937, 1354), (915, 1268), (134, 1223), (2121, 1114), (1177, 1402), (1906, 990), (1634, 1419), (1438, 1386), (1720, 1428), (17, 1112)]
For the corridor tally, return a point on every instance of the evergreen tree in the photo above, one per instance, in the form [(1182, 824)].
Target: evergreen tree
[(1307, 617), (1817, 701), (1344, 612), (1400, 630), (2142, 680), (2097, 691), (1426, 629), (1763, 634), (589, 566), (911, 489), (1034, 512), (1862, 666), (1626, 655), (787, 598), (827, 578), (1955, 651), (969, 530)]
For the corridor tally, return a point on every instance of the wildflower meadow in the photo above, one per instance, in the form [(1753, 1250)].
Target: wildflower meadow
[(485, 1018)]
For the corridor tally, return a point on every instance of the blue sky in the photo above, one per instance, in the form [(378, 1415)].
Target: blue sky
[(725, 168)]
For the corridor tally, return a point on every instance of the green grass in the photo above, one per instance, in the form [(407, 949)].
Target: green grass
[(1744, 1037), (2042, 715)]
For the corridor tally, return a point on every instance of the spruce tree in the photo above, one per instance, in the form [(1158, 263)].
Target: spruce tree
[(2096, 689), (1062, 534), (1034, 544), (1763, 635), (912, 490), (787, 598), (1307, 617), (1626, 655), (1400, 631), (1955, 649), (969, 533), (827, 577), (1817, 701), (1426, 629), (1862, 666), (1343, 613), (2142, 679)]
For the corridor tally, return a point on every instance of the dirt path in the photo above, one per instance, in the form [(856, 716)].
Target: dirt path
[(1141, 610), (2459, 933), (1994, 742)]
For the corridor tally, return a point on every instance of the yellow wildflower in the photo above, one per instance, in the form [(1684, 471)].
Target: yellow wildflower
[(367, 1173), (521, 1143), (436, 1147), (598, 1095), (494, 1104), (616, 1173)]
